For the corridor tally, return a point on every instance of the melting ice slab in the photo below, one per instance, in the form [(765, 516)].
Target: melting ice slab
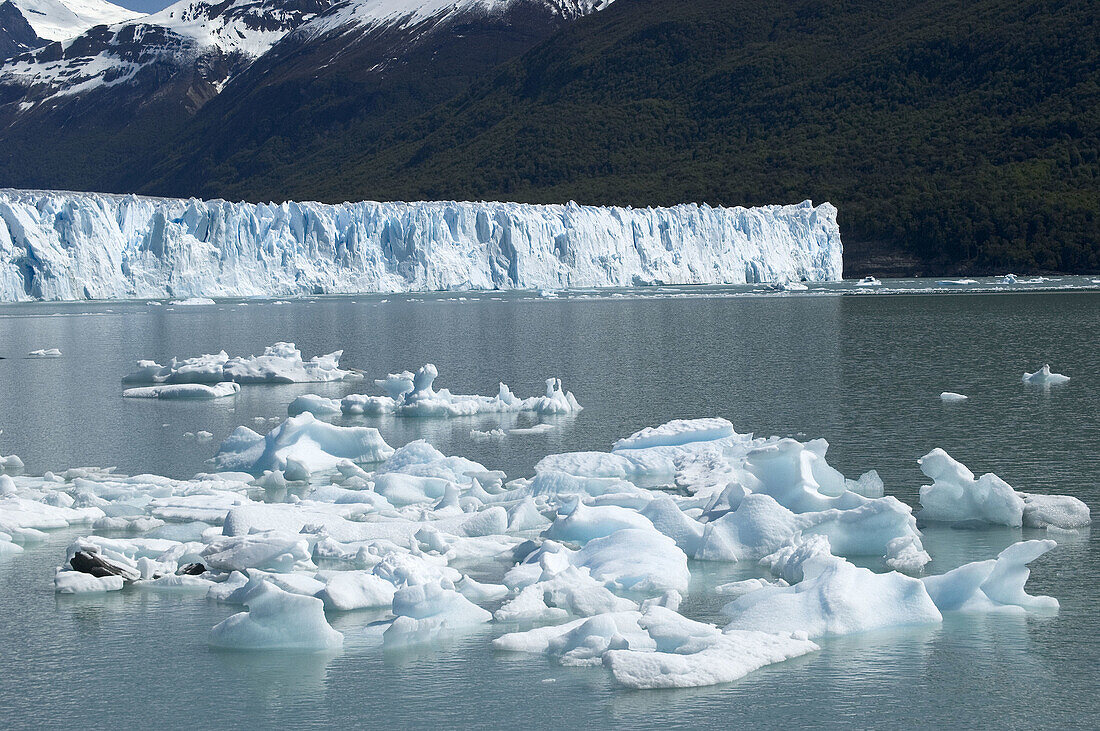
[(65, 246), (280, 363), (955, 495), (1044, 377), (411, 394)]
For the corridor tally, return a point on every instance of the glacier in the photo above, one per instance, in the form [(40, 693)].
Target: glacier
[(71, 246)]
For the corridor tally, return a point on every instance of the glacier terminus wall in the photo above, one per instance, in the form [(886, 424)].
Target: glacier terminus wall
[(68, 246)]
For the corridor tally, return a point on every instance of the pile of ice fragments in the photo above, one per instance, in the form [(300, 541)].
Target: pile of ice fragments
[(593, 553), (218, 375), (413, 394)]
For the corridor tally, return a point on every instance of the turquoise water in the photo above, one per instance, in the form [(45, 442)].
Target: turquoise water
[(864, 372)]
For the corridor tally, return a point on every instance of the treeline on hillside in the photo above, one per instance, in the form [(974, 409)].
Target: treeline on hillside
[(966, 134)]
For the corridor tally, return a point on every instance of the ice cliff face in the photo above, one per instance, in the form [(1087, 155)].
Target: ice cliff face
[(64, 246)]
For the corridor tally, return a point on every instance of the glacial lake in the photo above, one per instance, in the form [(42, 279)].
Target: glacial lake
[(863, 370)]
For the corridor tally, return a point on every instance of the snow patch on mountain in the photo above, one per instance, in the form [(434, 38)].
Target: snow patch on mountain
[(65, 246), (403, 14), (59, 20), (217, 39)]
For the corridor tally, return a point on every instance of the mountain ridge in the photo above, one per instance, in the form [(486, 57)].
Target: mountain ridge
[(952, 137)]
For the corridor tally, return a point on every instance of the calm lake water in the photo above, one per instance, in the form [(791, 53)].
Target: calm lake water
[(864, 372)]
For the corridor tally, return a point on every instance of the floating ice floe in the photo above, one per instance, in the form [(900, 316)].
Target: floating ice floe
[(952, 397), (957, 282), (193, 302), (1044, 377), (658, 648), (409, 394), (487, 436), (280, 363), (1009, 279), (956, 496), (313, 444), (993, 585), (11, 463), (597, 544), (185, 391), (278, 620), (45, 353), (868, 282), (830, 596)]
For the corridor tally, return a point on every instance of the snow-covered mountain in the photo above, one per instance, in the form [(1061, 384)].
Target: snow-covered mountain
[(64, 246), (16, 34), (59, 20), (213, 40), (368, 14), (113, 106)]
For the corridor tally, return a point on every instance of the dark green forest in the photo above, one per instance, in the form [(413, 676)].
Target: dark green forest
[(962, 134)]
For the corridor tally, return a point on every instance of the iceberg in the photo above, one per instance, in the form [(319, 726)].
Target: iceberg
[(993, 585), (278, 620), (952, 397), (280, 363), (955, 495), (45, 353), (67, 246), (185, 391), (658, 648), (425, 537), (409, 394), (1044, 377), (831, 597), (314, 445)]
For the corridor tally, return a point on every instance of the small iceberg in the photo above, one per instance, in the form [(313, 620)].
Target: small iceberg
[(955, 495), (280, 363), (278, 620), (185, 391), (313, 444), (1009, 279), (868, 282), (957, 282), (1044, 377), (409, 394), (194, 302), (951, 397), (45, 353)]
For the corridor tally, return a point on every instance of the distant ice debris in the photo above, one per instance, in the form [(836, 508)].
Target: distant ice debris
[(533, 429), (185, 391), (952, 397), (280, 363), (1009, 279), (955, 496), (487, 436), (868, 282), (45, 353), (1044, 377), (957, 282), (409, 394), (193, 301)]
